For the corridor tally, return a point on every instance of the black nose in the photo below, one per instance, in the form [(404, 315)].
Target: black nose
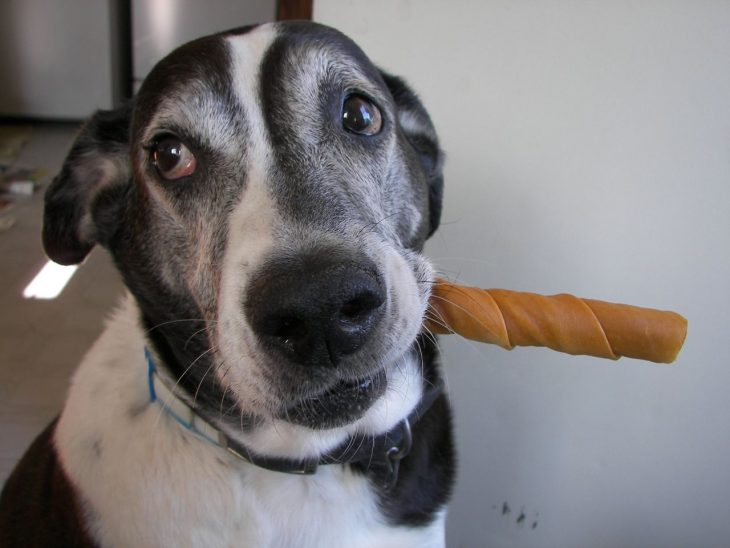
[(315, 310)]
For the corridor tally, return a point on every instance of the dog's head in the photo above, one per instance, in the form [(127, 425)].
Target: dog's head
[(265, 197)]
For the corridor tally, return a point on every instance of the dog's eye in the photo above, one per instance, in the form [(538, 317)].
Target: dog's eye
[(361, 116), (172, 158)]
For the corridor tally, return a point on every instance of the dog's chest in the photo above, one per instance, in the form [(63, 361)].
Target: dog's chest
[(145, 481), (189, 501), (211, 505), (187, 494)]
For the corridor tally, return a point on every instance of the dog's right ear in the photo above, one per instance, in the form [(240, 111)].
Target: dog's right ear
[(98, 161), (418, 129)]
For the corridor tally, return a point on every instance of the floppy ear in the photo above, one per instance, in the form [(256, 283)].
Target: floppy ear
[(418, 129), (98, 161)]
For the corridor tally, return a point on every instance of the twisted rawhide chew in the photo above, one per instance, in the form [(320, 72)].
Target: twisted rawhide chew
[(562, 322)]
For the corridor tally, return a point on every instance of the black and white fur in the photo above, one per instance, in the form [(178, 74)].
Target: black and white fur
[(279, 188)]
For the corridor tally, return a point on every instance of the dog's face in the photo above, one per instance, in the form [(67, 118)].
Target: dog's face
[(266, 196)]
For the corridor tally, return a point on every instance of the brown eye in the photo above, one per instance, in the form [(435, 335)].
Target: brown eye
[(361, 116), (172, 159)]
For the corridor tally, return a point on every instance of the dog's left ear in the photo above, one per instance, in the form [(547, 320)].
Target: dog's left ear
[(87, 188), (417, 127)]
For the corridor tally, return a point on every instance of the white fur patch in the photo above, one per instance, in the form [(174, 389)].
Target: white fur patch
[(250, 229)]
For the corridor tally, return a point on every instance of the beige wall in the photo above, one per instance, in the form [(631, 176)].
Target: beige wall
[(588, 152)]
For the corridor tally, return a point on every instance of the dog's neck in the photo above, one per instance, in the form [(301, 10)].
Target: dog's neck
[(385, 450)]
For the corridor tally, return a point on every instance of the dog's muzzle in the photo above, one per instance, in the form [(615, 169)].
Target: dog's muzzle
[(315, 317)]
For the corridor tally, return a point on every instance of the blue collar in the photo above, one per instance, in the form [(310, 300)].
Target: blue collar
[(176, 407), (384, 451)]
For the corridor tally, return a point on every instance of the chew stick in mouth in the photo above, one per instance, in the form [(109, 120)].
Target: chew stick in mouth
[(561, 322)]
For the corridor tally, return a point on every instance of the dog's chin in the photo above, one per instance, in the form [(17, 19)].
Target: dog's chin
[(339, 405)]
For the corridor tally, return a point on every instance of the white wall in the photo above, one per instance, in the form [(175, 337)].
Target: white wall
[(589, 152)]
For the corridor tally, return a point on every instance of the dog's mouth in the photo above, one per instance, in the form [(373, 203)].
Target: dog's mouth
[(343, 403)]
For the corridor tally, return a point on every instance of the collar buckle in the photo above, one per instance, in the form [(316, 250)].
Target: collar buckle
[(397, 453)]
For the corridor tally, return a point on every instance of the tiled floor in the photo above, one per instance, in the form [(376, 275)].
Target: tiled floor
[(42, 341)]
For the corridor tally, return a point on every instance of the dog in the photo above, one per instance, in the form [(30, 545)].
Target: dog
[(266, 382)]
